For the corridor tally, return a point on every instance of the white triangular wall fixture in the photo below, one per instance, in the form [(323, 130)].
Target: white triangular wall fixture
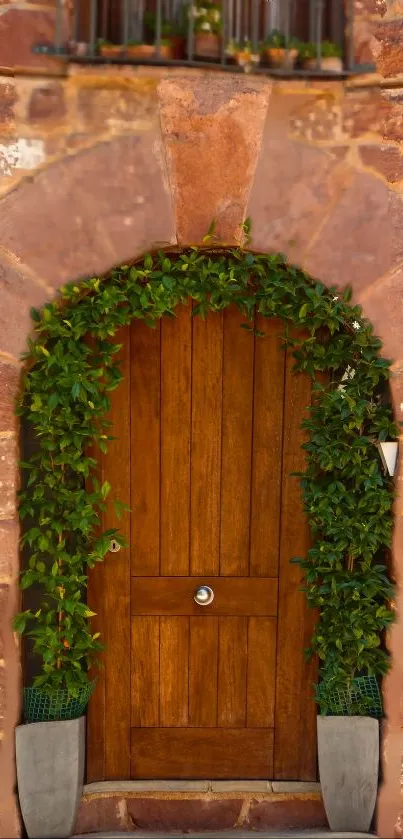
[(388, 452)]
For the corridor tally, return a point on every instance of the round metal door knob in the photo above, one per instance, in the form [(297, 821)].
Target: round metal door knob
[(204, 595)]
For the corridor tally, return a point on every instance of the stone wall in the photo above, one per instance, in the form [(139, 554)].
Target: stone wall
[(99, 165)]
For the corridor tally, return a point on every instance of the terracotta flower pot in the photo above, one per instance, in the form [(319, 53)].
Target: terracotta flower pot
[(177, 44), (207, 45), (332, 64), (246, 59), (140, 51), (111, 51), (166, 52), (281, 59), (80, 49)]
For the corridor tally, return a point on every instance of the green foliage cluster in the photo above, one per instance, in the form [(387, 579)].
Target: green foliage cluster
[(327, 50), (347, 497)]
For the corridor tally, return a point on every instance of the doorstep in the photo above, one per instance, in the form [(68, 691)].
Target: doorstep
[(200, 786), (122, 807), (230, 834)]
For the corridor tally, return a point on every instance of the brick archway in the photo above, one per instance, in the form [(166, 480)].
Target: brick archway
[(152, 160)]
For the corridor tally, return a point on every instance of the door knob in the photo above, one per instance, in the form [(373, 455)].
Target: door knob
[(204, 595)]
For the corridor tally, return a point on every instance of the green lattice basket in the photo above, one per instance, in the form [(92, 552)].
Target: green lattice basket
[(40, 706), (363, 699)]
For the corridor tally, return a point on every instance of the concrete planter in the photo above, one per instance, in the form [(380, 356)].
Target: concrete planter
[(50, 774), (330, 64), (348, 752)]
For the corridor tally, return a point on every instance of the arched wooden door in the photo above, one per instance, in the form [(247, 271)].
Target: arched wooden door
[(208, 433)]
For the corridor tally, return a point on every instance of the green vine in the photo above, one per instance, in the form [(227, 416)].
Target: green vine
[(347, 496)]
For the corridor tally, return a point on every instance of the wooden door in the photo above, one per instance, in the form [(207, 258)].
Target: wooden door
[(208, 426)]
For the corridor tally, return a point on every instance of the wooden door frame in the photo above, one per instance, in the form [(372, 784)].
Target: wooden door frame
[(107, 756)]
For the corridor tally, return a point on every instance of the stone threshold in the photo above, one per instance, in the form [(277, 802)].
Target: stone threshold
[(127, 787), (190, 808), (229, 834)]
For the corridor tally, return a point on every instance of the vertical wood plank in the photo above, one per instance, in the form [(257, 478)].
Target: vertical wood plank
[(203, 657), (174, 671), (308, 756), (261, 690), (175, 442), (145, 675), (116, 466), (268, 402), (236, 445), (145, 394), (293, 714), (96, 718), (308, 761), (207, 347), (232, 669)]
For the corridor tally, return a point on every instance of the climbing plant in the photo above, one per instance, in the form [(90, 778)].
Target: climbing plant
[(71, 369)]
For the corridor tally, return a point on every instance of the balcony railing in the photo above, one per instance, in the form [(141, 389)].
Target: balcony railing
[(298, 37)]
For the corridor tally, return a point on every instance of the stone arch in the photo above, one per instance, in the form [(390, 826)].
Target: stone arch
[(198, 151)]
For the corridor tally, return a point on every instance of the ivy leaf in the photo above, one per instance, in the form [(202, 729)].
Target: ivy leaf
[(75, 390), (53, 400), (105, 489)]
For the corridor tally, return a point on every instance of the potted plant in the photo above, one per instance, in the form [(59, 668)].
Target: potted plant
[(140, 50), (207, 23), (329, 60), (351, 591), (108, 50), (166, 50), (348, 751), (280, 53), (137, 49), (243, 53), (172, 35), (50, 746), (78, 48)]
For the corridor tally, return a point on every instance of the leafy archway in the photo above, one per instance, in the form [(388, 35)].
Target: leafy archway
[(347, 497)]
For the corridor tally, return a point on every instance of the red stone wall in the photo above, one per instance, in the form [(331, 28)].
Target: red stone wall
[(99, 166)]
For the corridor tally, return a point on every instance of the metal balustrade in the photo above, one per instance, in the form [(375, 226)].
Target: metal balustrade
[(281, 37)]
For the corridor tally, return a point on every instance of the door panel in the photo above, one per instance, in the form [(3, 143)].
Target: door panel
[(176, 362), (236, 445), (208, 421), (144, 455), (203, 671), (262, 635), (175, 596), (207, 358), (174, 671), (145, 671), (268, 410), (232, 670), (201, 752), (293, 715)]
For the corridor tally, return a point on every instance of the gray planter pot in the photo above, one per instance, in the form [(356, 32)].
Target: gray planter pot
[(50, 774), (348, 752)]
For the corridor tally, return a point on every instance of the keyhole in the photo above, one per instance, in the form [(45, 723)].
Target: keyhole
[(114, 546)]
